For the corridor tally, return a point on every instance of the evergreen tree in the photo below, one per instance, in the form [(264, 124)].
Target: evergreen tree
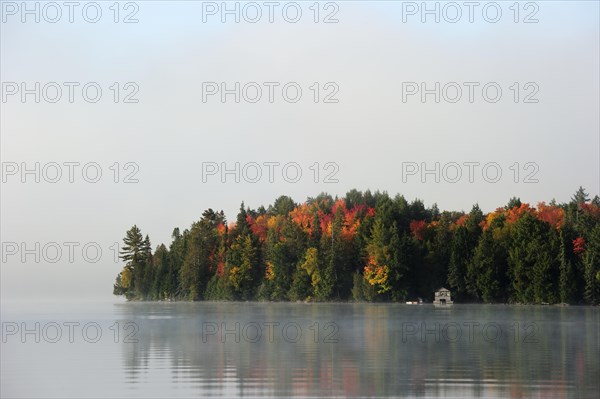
[(161, 278), (531, 258), (399, 255), (460, 257), (437, 258), (567, 279), (580, 196), (200, 262), (135, 252), (358, 282), (282, 206), (301, 287), (591, 261), (514, 202), (177, 251), (243, 267), (490, 267)]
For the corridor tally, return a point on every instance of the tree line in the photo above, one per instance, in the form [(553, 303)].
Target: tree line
[(373, 247)]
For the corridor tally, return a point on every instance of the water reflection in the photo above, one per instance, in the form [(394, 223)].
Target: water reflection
[(369, 350)]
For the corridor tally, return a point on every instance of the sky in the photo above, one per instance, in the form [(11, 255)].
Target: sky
[(161, 131)]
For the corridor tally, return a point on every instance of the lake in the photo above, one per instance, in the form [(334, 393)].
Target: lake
[(156, 350)]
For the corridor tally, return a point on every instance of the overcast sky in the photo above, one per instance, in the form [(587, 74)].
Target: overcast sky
[(363, 65)]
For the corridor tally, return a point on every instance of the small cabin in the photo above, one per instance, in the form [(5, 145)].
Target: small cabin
[(442, 297)]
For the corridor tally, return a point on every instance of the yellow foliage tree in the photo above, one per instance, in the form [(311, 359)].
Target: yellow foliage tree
[(311, 265), (377, 276), (126, 277)]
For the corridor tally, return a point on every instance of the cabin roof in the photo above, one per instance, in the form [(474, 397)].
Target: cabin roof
[(442, 289)]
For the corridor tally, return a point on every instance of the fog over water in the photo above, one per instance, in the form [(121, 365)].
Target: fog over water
[(281, 349)]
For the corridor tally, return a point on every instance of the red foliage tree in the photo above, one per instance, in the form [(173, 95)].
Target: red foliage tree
[(551, 214), (591, 209), (579, 246), (258, 226), (418, 228), (514, 214), (462, 220)]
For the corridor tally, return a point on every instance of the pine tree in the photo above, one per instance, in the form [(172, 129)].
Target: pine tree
[(301, 285), (532, 261), (136, 253), (591, 262), (160, 263), (566, 279), (282, 206), (514, 202), (282, 262), (133, 250), (489, 262), (460, 256), (580, 196), (399, 265), (200, 260), (243, 267)]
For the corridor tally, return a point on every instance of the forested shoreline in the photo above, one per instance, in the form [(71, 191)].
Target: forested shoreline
[(374, 247)]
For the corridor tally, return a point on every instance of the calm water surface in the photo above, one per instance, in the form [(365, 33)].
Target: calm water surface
[(157, 350)]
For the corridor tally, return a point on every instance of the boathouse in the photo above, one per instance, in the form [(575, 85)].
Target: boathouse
[(442, 297)]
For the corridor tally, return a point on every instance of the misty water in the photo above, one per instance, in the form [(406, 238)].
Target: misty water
[(156, 350)]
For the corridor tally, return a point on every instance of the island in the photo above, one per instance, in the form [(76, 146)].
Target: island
[(369, 246)]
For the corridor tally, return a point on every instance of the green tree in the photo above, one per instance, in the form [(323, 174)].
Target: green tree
[(282, 206), (567, 284), (161, 277), (136, 253), (591, 262), (200, 261), (399, 260), (532, 261), (580, 196), (335, 282), (490, 266), (177, 251), (243, 265), (460, 256), (436, 261), (301, 287), (514, 202), (282, 262)]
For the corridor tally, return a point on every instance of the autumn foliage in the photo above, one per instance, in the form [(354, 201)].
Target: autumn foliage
[(370, 246), (579, 246)]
